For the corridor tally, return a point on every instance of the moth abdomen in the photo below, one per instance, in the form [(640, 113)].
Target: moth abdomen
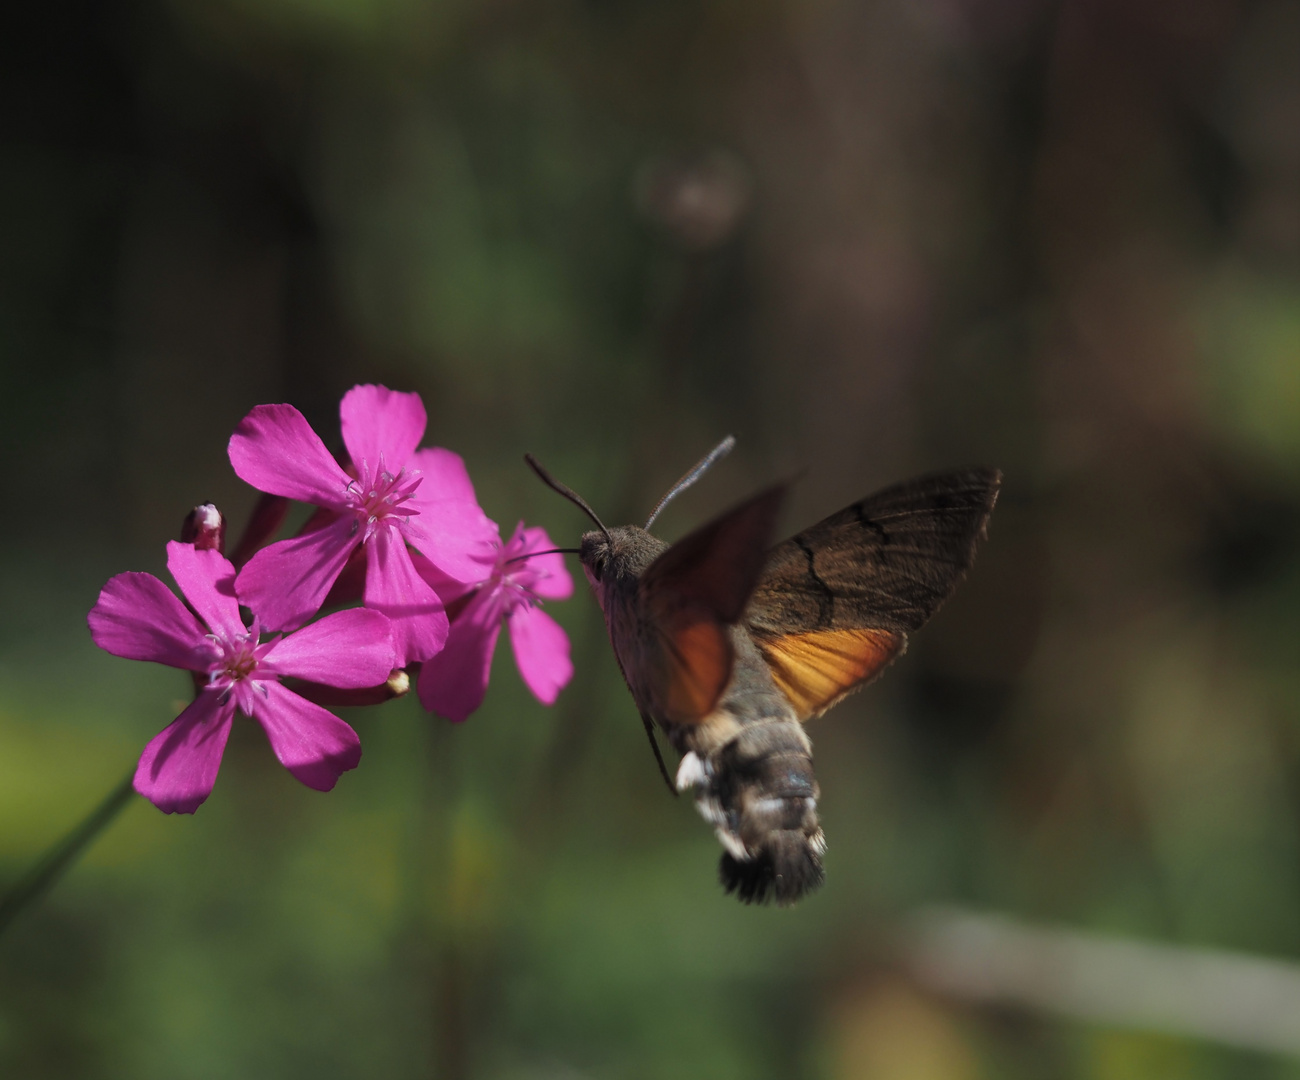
[(788, 868), (759, 792)]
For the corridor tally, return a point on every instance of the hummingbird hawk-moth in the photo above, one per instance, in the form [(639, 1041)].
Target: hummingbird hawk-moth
[(730, 644)]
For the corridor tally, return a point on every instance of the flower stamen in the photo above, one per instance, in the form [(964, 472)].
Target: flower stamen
[(379, 497)]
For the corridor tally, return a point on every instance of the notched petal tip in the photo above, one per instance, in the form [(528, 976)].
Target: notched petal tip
[(173, 805), (311, 742), (381, 425), (137, 617), (454, 682), (179, 765), (275, 449), (541, 649)]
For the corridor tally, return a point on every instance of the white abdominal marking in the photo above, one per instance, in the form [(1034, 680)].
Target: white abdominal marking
[(710, 810), (731, 842), (774, 804), (691, 772)]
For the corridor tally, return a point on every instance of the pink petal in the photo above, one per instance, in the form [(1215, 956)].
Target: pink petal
[(542, 652), (286, 583), (445, 475), (179, 766), (351, 649), (208, 581), (393, 587), (449, 590), (311, 742), (453, 683), (455, 535), (544, 575), (381, 424), (350, 585), (139, 618), (275, 450)]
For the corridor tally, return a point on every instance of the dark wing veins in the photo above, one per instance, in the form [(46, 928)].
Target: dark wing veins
[(825, 598), (870, 523)]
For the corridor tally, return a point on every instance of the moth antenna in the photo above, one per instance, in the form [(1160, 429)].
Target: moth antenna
[(548, 551), (568, 493), (707, 462)]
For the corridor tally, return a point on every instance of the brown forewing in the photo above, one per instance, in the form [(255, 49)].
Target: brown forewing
[(693, 592), (717, 565), (834, 604)]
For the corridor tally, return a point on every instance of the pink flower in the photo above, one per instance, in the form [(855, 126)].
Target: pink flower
[(395, 495), (139, 618), (453, 683)]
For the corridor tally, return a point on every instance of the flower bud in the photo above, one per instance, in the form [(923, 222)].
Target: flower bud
[(205, 528)]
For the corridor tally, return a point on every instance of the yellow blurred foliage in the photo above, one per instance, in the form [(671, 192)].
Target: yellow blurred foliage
[(890, 1031)]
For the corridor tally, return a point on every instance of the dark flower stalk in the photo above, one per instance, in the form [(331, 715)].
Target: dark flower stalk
[(40, 878)]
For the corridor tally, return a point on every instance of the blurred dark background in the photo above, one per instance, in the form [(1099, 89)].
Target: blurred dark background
[(868, 238)]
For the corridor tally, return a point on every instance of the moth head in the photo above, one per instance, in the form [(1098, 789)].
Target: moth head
[(594, 552), (621, 554), (617, 557)]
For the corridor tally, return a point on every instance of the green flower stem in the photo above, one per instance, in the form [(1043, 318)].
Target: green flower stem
[(40, 878)]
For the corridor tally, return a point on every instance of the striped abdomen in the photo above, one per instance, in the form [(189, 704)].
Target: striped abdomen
[(750, 767)]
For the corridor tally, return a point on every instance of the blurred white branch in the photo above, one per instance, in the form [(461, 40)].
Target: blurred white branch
[(1243, 1001)]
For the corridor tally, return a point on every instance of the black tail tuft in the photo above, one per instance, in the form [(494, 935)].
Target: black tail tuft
[(787, 869)]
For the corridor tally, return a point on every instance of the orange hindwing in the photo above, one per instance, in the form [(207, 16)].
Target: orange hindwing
[(816, 668)]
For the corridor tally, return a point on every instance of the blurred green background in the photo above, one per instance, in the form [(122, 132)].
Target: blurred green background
[(869, 238)]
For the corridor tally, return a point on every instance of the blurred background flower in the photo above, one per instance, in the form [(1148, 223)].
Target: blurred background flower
[(1062, 238)]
